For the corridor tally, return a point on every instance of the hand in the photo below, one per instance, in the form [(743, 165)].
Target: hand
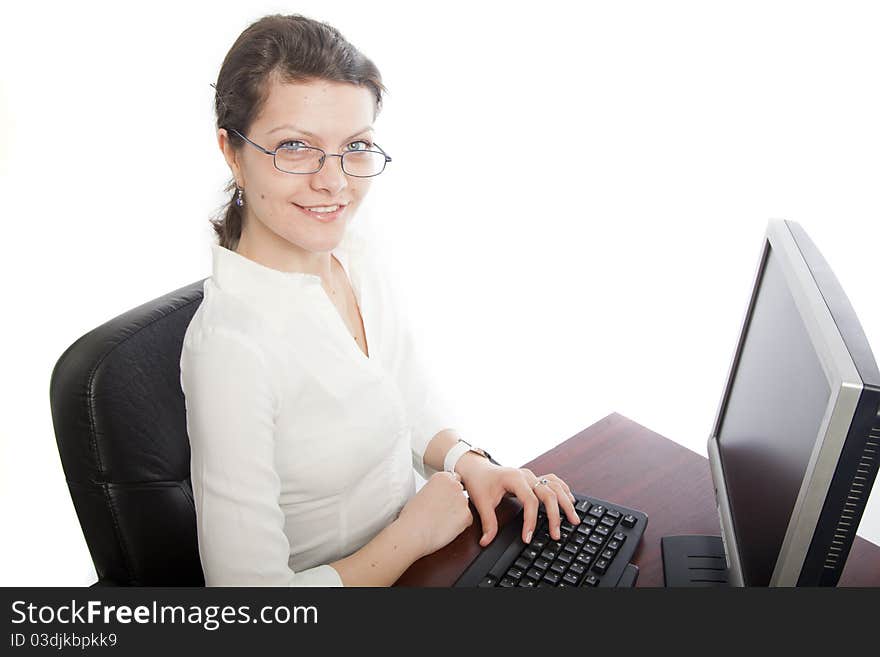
[(487, 483), (438, 512)]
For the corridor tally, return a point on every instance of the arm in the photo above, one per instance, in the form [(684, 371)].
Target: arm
[(428, 414), (383, 560), (231, 403)]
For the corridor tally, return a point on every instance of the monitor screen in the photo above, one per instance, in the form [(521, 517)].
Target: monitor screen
[(778, 396)]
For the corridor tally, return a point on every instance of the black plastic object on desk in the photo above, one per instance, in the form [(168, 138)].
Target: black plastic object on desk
[(693, 561)]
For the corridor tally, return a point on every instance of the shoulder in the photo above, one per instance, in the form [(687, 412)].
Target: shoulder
[(223, 319)]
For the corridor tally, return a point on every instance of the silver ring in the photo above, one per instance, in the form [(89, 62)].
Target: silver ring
[(542, 480)]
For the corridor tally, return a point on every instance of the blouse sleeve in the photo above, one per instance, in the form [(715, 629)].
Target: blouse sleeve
[(231, 403), (428, 411)]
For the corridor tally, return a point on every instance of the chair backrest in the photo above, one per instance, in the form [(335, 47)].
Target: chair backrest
[(120, 423)]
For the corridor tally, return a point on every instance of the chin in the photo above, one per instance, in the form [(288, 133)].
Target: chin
[(325, 238)]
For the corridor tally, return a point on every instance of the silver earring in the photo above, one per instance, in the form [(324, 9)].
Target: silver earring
[(239, 201)]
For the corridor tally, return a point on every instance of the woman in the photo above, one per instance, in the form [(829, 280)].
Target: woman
[(306, 416)]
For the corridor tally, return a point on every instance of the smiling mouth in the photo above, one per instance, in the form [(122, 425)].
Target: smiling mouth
[(321, 209)]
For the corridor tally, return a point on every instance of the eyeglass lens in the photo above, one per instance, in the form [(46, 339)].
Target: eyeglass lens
[(308, 160)]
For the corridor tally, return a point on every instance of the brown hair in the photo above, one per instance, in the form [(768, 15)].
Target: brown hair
[(290, 49)]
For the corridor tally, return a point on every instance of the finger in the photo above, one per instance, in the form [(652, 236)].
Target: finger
[(565, 488), (564, 500), (489, 522), (518, 485), (551, 508)]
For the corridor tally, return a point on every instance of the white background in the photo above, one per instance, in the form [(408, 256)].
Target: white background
[(609, 271)]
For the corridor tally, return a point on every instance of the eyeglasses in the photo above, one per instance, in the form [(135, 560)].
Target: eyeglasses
[(307, 159)]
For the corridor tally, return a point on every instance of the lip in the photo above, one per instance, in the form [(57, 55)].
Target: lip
[(325, 217)]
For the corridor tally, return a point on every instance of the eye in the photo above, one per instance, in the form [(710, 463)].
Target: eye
[(364, 145), (292, 143)]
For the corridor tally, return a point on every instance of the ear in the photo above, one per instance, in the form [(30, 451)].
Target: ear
[(229, 154)]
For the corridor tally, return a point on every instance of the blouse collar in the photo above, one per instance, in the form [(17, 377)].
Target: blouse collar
[(272, 289)]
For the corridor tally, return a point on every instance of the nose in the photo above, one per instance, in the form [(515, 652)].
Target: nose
[(330, 178)]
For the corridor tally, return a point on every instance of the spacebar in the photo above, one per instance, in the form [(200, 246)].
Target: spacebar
[(499, 570)]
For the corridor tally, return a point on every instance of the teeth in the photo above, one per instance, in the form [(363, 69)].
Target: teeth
[(326, 208)]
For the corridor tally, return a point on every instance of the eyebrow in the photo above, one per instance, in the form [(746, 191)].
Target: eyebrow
[(289, 126)]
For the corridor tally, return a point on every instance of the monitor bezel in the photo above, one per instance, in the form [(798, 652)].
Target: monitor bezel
[(845, 386)]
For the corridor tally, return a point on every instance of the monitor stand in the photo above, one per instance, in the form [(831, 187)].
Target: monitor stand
[(693, 561)]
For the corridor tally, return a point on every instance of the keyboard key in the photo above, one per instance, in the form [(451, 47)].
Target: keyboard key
[(571, 549), (526, 582), (558, 567), (514, 573), (590, 521), (566, 526), (614, 514), (584, 558), (579, 539), (571, 578), (535, 574), (591, 580), (608, 521), (604, 531), (591, 549), (583, 529), (595, 539), (507, 582), (541, 564), (577, 568), (538, 543), (619, 536), (488, 580), (628, 520), (582, 507), (601, 566), (608, 554), (522, 563), (597, 511), (613, 544), (551, 577), (564, 557), (530, 553), (548, 554)]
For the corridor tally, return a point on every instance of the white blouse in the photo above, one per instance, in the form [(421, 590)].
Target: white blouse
[(302, 447)]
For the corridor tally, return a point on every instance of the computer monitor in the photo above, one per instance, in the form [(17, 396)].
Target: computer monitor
[(796, 442)]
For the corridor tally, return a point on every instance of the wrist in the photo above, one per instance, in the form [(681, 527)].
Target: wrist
[(470, 463), (412, 538)]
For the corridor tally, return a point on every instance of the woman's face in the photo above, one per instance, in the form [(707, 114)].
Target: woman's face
[(333, 116)]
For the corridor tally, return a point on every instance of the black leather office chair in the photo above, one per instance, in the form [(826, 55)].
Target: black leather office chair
[(120, 423)]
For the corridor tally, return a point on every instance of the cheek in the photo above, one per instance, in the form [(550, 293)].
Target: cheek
[(361, 187), (280, 193)]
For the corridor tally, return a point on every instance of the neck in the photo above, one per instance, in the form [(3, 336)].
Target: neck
[(275, 252)]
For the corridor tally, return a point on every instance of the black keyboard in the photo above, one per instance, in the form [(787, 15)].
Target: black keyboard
[(596, 552)]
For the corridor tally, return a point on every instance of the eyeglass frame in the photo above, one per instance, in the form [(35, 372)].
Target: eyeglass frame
[(324, 157)]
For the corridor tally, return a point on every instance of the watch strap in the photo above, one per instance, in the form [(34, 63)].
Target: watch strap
[(460, 449)]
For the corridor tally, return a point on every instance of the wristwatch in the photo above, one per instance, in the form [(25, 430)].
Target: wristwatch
[(458, 450)]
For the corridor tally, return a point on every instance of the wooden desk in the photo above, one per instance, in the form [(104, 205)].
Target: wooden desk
[(621, 461)]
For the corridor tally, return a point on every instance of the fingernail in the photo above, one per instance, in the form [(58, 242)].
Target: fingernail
[(529, 537)]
